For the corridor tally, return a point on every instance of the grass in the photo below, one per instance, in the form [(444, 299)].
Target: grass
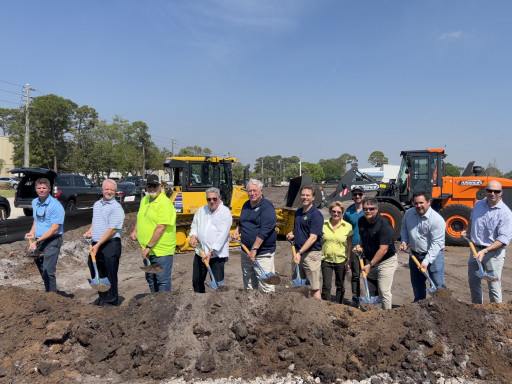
[(7, 192)]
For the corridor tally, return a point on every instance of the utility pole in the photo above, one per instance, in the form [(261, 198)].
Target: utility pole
[(300, 164), (27, 128), (172, 146)]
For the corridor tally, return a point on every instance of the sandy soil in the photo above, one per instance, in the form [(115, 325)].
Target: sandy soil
[(158, 338)]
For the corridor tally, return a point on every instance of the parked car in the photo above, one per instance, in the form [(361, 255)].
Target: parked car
[(137, 180), (129, 192), (5, 208), (72, 190), (14, 181)]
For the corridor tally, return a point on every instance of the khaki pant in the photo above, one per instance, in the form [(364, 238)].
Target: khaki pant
[(251, 273), (310, 268), (384, 272)]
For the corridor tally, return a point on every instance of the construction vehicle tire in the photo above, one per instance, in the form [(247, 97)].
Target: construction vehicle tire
[(457, 219), (393, 215)]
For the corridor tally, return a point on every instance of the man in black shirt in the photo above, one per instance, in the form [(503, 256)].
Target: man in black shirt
[(379, 251)]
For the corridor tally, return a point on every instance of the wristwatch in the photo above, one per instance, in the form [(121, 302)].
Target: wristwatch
[(254, 249), (148, 246), (372, 265), (486, 250)]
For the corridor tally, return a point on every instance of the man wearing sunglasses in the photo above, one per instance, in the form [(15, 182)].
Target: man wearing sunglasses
[(155, 229), (210, 228), (491, 232), (376, 234), (47, 229), (352, 216), (257, 231)]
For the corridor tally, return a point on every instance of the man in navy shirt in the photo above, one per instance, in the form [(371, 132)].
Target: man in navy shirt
[(307, 234), (352, 216), (257, 225)]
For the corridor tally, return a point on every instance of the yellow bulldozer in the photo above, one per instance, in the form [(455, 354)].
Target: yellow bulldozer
[(190, 177)]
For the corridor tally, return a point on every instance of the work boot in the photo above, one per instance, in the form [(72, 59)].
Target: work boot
[(355, 302)]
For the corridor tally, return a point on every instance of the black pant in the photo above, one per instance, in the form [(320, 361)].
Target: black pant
[(355, 281), (107, 261), (200, 271), (339, 272)]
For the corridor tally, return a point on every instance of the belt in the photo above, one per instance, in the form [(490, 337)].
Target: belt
[(481, 246), (421, 254), (108, 241), (52, 238)]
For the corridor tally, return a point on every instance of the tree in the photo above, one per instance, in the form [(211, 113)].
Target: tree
[(7, 117), (238, 172), (377, 159), (335, 168), (314, 170), (507, 175), (492, 170), (451, 170), (194, 151)]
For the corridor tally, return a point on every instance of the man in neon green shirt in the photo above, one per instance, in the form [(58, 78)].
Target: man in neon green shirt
[(155, 229)]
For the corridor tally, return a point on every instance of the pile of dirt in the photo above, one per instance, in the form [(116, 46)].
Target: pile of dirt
[(51, 338)]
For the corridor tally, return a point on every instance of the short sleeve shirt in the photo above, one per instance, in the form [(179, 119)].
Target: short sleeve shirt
[(307, 223), (375, 234), (152, 213), (47, 213)]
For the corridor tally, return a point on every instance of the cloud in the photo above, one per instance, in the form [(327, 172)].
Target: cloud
[(451, 36)]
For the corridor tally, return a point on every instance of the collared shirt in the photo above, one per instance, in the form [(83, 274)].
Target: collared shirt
[(307, 223), (373, 235), (105, 215), (212, 229), (425, 234), (47, 213), (352, 216), (152, 213), (334, 241), (491, 224), (259, 221)]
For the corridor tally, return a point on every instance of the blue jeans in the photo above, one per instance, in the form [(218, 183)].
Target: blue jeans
[(160, 281), (48, 265), (493, 262), (418, 279)]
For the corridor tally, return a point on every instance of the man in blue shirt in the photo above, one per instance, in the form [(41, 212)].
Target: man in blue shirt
[(352, 216), (307, 235), (423, 231), (257, 225), (105, 231), (491, 231), (47, 230)]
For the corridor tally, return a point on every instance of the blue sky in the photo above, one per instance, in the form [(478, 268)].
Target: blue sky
[(277, 77)]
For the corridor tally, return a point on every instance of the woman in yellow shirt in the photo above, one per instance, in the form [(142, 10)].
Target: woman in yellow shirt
[(336, 246)]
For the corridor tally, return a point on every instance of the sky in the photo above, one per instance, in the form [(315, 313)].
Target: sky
[(251, 78)]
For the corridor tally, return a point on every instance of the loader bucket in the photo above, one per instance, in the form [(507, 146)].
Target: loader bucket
[(292, 198)]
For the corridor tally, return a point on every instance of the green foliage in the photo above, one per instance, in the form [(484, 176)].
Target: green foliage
[(314, 170), (377, 159), (238, 172), (507, 175), (276, 168), (335, 168), (194, 151), (451, 170)]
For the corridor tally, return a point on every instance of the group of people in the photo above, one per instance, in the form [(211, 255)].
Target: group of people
[(323, 246)]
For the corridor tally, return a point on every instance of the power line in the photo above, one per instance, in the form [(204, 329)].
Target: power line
[(7, 82)]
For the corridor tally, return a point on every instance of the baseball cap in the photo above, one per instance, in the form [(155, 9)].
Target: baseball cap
[(358, 188), (153, 179)]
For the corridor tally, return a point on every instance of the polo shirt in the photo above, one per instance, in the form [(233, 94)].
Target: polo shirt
[(47, 213), (151, 213), (334, 241), (105, 215), (259, 221), (306, 223), (375, 234)]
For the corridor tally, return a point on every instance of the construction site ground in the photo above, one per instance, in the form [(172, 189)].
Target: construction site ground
[(242, 336)]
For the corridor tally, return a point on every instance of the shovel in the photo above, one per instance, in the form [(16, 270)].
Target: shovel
[(366, 299), (298, 281), (151, 268), (35, 253), (481, 273), (99, 284), (213, 285), (269, 277)]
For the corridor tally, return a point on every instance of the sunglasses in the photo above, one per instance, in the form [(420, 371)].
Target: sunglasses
[(336, 212), (357, 194), (40, 215), (495, 191), (208, 199), (369, 209), (151, 186)]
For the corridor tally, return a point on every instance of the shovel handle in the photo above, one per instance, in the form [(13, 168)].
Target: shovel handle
[(416, 260), (93, 255), (201, 252), (361, 262), (473, 249), (246, 250)]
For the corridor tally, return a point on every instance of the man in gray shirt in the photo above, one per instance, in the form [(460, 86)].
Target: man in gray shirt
[(423, 230)]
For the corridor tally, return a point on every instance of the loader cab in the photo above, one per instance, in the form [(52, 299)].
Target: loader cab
[(192, 176), (420, 171)]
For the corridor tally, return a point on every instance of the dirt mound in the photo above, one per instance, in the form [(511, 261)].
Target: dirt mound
[(50, 338)]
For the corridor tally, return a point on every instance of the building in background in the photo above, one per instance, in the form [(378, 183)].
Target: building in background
[(384, 173), (6, 155)]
